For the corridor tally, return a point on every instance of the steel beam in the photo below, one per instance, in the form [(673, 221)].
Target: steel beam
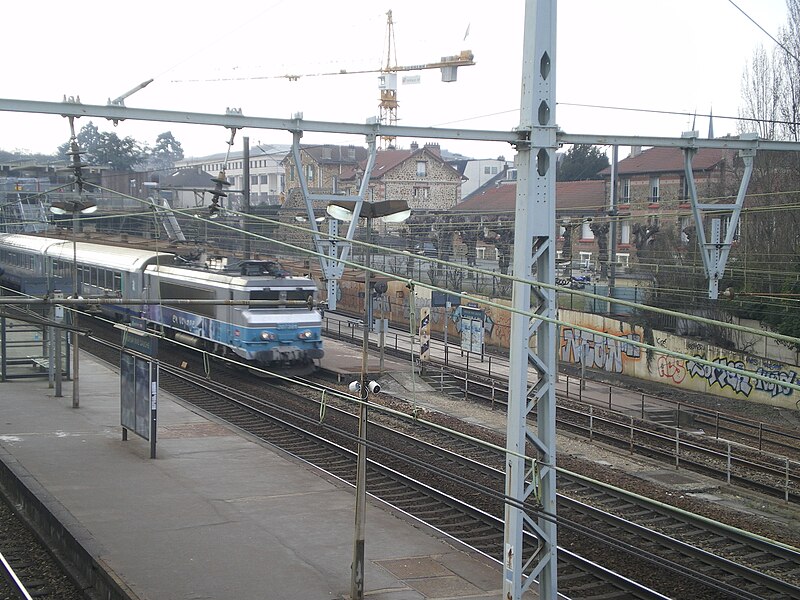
[(715, 252), (330, 250), (534, 258), (235, 119)]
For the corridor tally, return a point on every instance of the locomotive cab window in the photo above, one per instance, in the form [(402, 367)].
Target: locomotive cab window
[(281, 295), (265, 295), (301, 295)]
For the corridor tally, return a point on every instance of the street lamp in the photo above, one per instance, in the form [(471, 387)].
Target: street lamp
[(76, 207), (391, 211)]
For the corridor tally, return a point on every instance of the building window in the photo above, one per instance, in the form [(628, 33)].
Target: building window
[(422, 168), (586, 231), (486, 170), (420, 193), (310, 172), (626, 191), (263, 179), (625, 232), (586, 259), (654, 190), (253, 179), (291, 172)]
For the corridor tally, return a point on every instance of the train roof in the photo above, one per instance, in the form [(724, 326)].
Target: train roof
[(109, 257), (224, 277), (33, 243)]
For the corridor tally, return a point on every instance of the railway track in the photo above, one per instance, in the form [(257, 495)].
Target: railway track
[(28, 569), (402, 472), (751, 455)]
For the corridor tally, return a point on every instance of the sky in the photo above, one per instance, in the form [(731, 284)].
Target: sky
[(661, 55)]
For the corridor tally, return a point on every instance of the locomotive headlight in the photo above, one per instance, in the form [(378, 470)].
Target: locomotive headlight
[(304, 335), (267, 336)]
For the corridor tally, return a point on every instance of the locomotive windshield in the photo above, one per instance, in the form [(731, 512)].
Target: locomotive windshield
[(301, 295)]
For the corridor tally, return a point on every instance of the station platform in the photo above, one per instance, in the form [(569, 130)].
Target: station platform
[(217, 514), (345, 361)]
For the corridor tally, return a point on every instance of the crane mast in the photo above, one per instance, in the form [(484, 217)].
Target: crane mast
[(388, 83), (387, 109)]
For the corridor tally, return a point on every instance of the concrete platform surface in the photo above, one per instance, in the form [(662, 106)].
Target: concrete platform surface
[(216, 514)]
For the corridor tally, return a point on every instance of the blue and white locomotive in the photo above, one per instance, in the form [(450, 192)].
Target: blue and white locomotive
[(285, 332), (282, 333)]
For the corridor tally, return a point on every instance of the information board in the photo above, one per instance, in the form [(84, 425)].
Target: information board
[(472, 320), (138, 397)]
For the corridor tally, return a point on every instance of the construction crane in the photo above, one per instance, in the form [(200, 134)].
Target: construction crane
[(388, 76)]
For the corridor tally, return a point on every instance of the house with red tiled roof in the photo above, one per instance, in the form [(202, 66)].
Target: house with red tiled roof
[(579, 204), (653, 191), (323, 166), (418, 175)]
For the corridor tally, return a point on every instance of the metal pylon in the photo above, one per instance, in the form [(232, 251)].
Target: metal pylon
[(715, 251), (534, 258), (334, 251)]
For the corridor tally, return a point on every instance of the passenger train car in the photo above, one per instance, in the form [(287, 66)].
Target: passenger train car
[(284, 332)]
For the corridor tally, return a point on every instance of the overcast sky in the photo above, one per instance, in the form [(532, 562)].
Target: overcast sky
[(675, 55)]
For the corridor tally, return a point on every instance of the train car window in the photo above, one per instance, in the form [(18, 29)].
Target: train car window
[(93, 275), (117, 281), (170, 291)]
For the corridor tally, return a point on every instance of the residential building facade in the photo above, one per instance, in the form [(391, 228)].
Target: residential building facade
[(476, 172), (419, 175), (653, 192), (267, 181), (323, 166)]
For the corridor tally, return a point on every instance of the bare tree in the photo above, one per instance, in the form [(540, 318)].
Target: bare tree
[(762, 86), (790, 67)]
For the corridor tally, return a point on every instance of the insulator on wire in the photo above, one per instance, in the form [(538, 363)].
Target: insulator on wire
[(217, 193), (77, 166)]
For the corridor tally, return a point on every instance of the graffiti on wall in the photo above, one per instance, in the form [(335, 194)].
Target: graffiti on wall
[(740, 384), (676, 369), (672, 368), (598, 351), (774, 388)]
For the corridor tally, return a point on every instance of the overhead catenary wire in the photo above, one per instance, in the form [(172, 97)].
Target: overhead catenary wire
[(658, 350), (411, 282), (509, 278)]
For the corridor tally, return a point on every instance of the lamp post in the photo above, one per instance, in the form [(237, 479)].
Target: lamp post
[(76, 207), (391, 211)]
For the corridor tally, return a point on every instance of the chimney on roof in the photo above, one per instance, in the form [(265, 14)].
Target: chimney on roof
[(434, 147), (414, 145), (635, 151)]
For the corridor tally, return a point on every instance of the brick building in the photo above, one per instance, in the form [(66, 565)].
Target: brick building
[(653, 192), (324, 166), (419, 175)]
